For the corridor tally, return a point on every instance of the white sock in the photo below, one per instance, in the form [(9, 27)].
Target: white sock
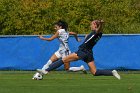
[(47, 64), (75, 68)]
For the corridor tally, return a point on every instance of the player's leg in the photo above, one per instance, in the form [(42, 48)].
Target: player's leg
[(67, 59), (92, 67), (71, 57), (81, 68), (58, 54), (50, 61), (95, 72), (77, 68), (76, 56), (66, 66), (54, 57), (74, 69), (64, 54)]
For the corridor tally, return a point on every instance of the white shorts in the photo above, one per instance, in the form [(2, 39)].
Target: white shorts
[(62, 53)]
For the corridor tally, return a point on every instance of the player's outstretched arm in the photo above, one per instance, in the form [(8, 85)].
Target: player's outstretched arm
[(51, 38), (100, 25), (75, 35)]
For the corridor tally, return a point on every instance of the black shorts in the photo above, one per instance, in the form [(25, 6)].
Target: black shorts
[(85, 55)]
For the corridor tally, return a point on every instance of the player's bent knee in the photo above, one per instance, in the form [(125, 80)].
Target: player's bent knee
[(64, 60)]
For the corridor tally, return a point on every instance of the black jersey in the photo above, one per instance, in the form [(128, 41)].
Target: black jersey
[(91, 40)]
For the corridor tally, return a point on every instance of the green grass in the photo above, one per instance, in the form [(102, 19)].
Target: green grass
[(64, 82)]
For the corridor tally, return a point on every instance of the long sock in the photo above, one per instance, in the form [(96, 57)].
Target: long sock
[(47, 64), (55, 65), (103, 72), (75, 68)]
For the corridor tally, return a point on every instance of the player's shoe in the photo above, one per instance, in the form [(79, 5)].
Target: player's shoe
[(83, 69), (42, 71), (115, 74)]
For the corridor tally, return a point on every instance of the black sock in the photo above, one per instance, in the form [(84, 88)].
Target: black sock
[(103, 72), (55, 65)]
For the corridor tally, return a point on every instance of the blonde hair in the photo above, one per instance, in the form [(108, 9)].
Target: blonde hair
[(95, 22)]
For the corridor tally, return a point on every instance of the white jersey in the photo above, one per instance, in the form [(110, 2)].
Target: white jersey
[(63, 47), (63, 38)]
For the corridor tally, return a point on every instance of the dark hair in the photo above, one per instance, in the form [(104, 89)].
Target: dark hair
[(63, 24)]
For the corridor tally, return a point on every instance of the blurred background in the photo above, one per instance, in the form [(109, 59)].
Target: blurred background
[(32, 17)]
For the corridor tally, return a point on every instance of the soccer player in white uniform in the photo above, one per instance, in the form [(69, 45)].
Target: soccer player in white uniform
[(63, 51)]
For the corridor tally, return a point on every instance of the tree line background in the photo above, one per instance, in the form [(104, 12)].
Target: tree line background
[(33, 17)]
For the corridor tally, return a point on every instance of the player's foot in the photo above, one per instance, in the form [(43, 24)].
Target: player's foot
[(42, 71), (83, 69), (115, 74)]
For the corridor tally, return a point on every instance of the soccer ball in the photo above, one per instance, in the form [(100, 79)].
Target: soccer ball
[(37, 76)]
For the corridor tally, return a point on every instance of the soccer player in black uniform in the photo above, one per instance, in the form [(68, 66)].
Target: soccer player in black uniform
[(85, 53)]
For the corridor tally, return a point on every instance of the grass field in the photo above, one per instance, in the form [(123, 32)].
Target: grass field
[(67, 82)]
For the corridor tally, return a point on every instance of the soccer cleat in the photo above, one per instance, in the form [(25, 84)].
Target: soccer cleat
[(42, 71), (83, 69), (115, 74)]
